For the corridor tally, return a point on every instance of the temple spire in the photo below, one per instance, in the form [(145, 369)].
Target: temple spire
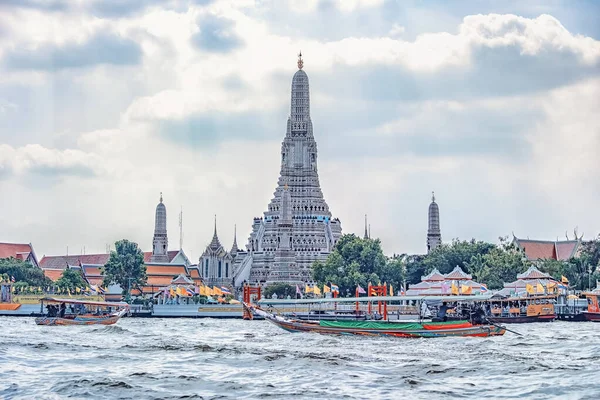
[(234, 246), (215, 243), (434, 234), (366, 236), (160, 241), (300, 61)]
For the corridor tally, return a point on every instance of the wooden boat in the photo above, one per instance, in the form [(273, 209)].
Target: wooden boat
[(593, 310), (81, 312), (381, 328), (520, 310)]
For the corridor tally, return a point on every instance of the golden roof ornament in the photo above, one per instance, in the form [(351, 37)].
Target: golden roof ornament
[(300, 62)]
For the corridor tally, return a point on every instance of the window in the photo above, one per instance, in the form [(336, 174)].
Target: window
[(206, 267), (219, 270), (226, 270)]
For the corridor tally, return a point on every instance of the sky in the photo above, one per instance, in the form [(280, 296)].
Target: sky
[(105, 104)]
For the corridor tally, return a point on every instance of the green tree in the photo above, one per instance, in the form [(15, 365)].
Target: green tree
[(71, 279), (354, 261), (125, 267), (282, 290), (458, 253), (24, 272), (502, 264)]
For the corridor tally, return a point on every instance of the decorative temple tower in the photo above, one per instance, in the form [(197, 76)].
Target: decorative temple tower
[(434, 234), (160, 243), (216, 268), (297, 228)]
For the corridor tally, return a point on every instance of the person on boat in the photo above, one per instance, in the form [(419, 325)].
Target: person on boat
[(63, 309), (442, 312)]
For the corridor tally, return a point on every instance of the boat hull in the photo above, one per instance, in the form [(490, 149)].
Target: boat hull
[(52, 321), (591, 316), (571, 317), (377, 328), (523, 319)]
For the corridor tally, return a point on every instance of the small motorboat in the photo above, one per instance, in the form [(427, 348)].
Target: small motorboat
[(381, 328), (80, 312)]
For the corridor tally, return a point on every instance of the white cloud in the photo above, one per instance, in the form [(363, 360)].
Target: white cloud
[(117, 168)]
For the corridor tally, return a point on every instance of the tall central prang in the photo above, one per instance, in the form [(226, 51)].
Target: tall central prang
[(297, 228)]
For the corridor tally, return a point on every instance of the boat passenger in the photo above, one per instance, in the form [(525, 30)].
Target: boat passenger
[(442, 312), (63, 309)]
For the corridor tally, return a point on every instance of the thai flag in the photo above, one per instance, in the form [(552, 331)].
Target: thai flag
[(12, 278), (225, 290), (361, 290), (483, 289), (190, 291), (335, 288)]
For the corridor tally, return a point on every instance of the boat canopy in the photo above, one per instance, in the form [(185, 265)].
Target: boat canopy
[(91, 303), (481, 297)]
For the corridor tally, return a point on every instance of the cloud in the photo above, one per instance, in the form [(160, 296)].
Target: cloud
[(100, 49), (37, 160), (217, 34), (45, 5)]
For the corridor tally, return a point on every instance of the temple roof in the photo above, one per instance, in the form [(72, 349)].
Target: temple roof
[(61, 262), (171, 254), (548, 249), (434, 275), (171, 270), (20, 251), (53, 274), (458, 273), (533, 273)]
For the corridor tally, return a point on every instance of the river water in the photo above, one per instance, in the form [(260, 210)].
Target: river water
[(235, 359)]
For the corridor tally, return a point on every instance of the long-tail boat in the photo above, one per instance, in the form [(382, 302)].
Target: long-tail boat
[(80, 312), (381, 328)]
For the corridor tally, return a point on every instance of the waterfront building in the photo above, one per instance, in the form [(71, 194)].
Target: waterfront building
[(536, 280), (297, 228), (20, 251), (216, 264), (434, 234), (53, 266), (561, 250), (438, 284)]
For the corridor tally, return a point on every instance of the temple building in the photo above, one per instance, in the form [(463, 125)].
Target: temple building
[(438, 284), (561, 250), (20, 251), (434, 234), (216, 264), (297, 228), (160, 242)]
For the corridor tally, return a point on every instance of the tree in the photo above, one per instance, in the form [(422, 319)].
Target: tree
[(125, 267), (282, 290), (24, 272), (71, 279), (458, 253), (354, 261), (502, 264)]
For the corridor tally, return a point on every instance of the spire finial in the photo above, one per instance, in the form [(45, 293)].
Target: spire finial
[(433, 196), (300, 62), (161, 197), (215, 234), (366, 231)]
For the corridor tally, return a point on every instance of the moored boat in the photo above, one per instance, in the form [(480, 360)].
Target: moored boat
[(520, 310), (80, 312), (381, 328), (593, 309)]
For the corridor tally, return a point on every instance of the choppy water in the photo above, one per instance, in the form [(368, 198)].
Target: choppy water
[(232, 359)]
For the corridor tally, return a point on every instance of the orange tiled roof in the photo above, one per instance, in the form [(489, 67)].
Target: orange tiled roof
[(17, 250), (566, 249), (92, 270), (548, 249), (533, 273), (53, 274), (95, 280), (194, 273), (165, 269), (159, 280), (458, 273), (434, 275)]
